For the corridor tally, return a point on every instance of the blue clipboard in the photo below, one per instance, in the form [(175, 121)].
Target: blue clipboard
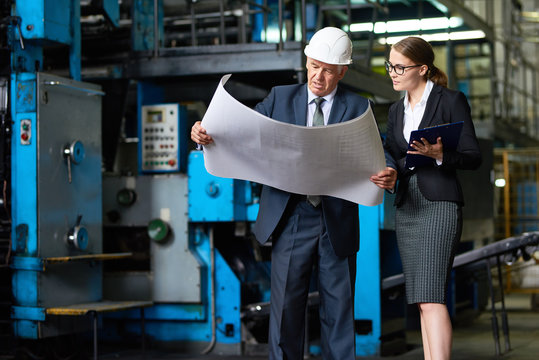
[(450, 134)]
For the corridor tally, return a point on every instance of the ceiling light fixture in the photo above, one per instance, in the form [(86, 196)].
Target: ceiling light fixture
[(457, 35), (394, 26)]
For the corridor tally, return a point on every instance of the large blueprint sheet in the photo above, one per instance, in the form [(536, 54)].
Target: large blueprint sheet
[(334, 160)]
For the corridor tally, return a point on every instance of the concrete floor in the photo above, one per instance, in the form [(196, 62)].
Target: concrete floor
[(475, 340), (472, 340)]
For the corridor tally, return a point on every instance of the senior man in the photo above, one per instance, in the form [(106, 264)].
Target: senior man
[(307, 233)]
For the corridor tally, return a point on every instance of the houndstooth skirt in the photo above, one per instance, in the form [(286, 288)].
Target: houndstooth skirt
[(428, 233)]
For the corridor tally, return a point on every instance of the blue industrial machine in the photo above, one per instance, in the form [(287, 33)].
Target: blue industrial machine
[(196, 294), (189, 233), (56, 174), (56, 196)]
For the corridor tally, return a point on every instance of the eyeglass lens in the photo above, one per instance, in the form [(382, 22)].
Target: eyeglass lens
[(399, 70)]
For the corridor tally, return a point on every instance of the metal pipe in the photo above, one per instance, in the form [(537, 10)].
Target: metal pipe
[(155, 28), (507, 25), (506, 194), (222, 21), (505, 323), (355, 6), (534, 106), (348, 14), (94, 315), (186, 19), (493, 85), (193, 28), (21, 38), (243, 30), (280, 4), (368, 55), (379, 6), (212, 295), (266, 21), (494, 319), (303, 24)]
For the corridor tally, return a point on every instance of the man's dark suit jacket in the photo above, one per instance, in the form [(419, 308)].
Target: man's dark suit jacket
[(289, 104), (435, 182)]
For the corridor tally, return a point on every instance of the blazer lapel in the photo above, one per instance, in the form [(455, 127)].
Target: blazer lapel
[(399, 124), (432, 105), (338, 108), (300, 106)]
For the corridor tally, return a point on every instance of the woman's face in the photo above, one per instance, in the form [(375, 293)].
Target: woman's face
[(412, 77)]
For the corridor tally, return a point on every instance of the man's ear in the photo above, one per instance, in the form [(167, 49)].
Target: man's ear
[(343, 70)]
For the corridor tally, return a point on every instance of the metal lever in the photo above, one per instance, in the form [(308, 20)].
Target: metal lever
[(15, 20), (73, 153), (78, 235)]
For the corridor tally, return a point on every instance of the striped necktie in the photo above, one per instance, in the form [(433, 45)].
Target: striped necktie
[(318, 120)]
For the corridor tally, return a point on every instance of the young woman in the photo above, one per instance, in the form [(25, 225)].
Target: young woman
[(429, 198)]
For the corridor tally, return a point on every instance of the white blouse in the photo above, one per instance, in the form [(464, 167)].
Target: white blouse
[(412, 117)]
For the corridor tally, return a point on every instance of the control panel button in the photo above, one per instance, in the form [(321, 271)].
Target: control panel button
[(26, 131)]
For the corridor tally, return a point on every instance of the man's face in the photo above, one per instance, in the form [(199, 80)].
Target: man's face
[(323, 78)]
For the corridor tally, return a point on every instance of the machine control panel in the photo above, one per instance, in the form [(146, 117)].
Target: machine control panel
[(159, 138)]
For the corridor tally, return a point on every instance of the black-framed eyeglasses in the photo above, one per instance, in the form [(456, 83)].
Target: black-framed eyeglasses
[(399, 69)]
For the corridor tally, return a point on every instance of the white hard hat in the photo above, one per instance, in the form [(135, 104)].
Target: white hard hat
[(330, 45)]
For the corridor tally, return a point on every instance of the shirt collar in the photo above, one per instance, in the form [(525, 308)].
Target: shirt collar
[(428, 88), (329, 97)]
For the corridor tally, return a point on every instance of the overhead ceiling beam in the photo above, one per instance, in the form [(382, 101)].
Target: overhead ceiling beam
[(470, 18)]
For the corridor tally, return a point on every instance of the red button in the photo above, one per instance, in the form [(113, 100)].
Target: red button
[(24, 136), (172, 162)]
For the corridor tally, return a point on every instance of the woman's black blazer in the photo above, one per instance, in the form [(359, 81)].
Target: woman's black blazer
[(436, 183)]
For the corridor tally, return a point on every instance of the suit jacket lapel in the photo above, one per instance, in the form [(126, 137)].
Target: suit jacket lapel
[(300, 106), (399, 124), (338, 108), (432, 105)]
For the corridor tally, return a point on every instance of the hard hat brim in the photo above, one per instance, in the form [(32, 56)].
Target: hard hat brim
[(326, 61)]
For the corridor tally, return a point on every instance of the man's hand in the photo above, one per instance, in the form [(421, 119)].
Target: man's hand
[(199, 135), (385, 179)]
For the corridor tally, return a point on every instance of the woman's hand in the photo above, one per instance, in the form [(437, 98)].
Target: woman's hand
[(423, 147), (385, 179)]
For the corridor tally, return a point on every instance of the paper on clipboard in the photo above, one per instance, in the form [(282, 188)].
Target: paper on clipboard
[(450, 134)]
